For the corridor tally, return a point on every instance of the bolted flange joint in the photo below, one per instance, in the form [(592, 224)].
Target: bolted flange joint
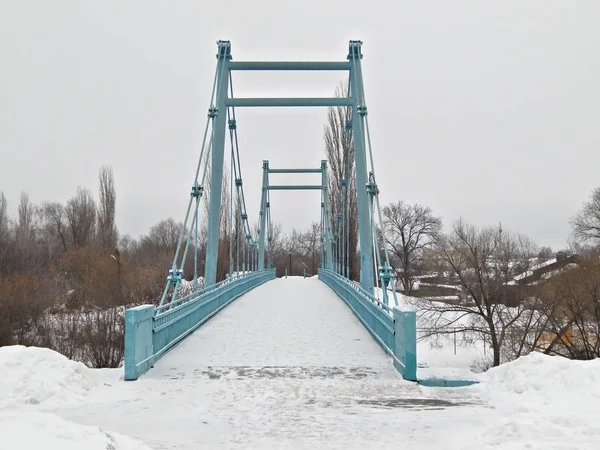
[(354, 50), (372, 189), (372, 186), (223, 50), (232, 124), (174, 276), (213, 112), (385, 274), (197, 190)]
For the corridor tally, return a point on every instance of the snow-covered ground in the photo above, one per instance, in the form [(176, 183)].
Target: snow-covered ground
[(34, 382), (288, 366)]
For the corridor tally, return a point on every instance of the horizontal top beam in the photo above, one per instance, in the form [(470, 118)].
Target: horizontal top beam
[(294, 187), (289, 65), (295, 170), (328, 101)]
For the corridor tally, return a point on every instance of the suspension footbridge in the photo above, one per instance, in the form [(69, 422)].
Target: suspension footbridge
[(295, 310)]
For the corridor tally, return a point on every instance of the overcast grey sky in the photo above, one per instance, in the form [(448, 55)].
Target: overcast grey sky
[(485, 110)]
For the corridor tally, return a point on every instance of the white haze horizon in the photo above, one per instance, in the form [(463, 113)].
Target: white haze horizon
[(485, 111)]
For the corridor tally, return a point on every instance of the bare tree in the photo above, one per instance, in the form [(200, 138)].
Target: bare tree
[(586, 224), (571, 305), (409, 230), (307, 245), (164, 235), (6, 241), (127, 244), (339, 148), (56, 222), (277, 237), (107, 232), (3, 216), (280, 249), (25, 231), (80, 213), (545, 253), (485, 261)]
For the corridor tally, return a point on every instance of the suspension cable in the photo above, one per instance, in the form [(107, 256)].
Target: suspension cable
[(231, 216), (367, 136), (173, 272)]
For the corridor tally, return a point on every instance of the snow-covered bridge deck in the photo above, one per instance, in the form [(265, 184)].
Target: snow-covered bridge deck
[(289, 328), (287, 365)]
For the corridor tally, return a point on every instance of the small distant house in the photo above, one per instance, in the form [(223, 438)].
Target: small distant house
[(546, 269)]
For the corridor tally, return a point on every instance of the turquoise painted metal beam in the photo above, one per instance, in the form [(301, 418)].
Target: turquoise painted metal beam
[(263, 216), (294, 170), (289, 65), (297, 187), (217, 158), (289, 102), (365, 234), (327, 223), (138, 341)]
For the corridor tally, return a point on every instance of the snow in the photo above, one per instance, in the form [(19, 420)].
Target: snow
[(545, 375), (447, 286), (289, 366), (36, 430), (31, 378), (290, 322), (545, 398), (30, 375), (437, 358), (533, 268)]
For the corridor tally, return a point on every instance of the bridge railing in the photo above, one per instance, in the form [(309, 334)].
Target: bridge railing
[(150, 331), (394, 328)]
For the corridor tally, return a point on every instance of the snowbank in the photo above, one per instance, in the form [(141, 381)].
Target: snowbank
[(32, 375), (544, 402), (36, 430), (539, 374)]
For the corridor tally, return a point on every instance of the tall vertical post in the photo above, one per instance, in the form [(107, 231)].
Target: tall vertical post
[(231, 211), (365, 234), (251, 255), (217, 157), (244, 252), (322, 262), (326, 219), (263, 217), (237, 244)]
